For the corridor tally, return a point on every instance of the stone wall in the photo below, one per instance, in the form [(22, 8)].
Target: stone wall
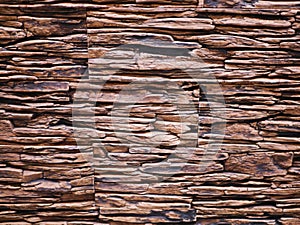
[(250, 47)]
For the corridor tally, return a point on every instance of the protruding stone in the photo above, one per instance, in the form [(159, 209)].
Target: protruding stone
[(260, 164), (31, 175)]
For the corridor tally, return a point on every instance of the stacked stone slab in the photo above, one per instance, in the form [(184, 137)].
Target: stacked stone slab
[(250, 47)]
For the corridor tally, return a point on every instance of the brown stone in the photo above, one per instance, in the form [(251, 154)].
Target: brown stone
[(50, 26), (31, 175), (231, 41), (250, 22), (10, 174), (38, 86), (10, 34), (238, 221), (242, 132), (257, 164), (48, 186), (289, 221)]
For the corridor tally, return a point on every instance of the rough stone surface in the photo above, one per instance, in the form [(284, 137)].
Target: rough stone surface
[(250, 46)]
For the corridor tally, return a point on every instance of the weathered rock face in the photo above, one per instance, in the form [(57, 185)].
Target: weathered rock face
[(49, 49), (260, 164)]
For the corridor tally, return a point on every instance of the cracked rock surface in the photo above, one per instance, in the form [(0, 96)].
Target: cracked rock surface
[(52, 51)]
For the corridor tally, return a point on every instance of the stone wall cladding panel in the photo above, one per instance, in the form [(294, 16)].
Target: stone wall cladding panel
[(251, 47)]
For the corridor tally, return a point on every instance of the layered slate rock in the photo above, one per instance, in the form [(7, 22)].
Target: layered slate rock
[(44, 179), (51, 52), (248, 4)]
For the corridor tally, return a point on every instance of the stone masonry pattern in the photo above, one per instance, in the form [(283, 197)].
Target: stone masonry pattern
[(252, 47)]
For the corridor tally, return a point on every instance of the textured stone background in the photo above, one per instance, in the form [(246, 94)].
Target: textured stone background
[(252, 47)]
